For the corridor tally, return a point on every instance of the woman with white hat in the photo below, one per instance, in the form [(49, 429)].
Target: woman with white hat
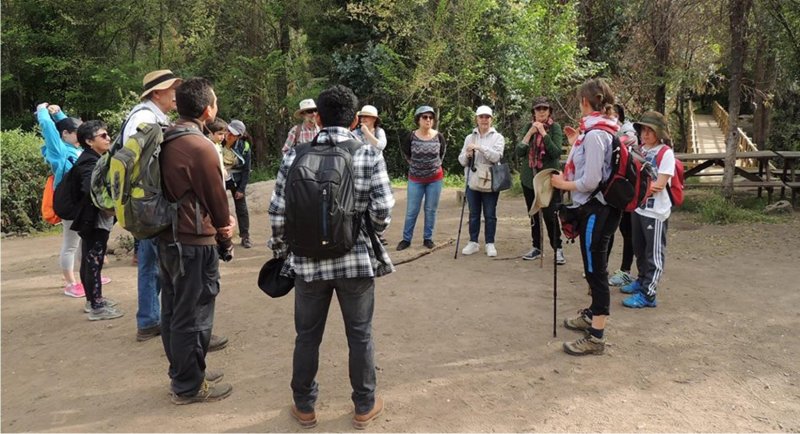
[(306, 130), (369, 132), (483, 148), (424, 150)]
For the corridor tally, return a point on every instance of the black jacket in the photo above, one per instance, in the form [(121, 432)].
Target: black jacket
[(87, 216)]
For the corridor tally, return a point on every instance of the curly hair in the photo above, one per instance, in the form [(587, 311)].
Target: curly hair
[(337, 106)]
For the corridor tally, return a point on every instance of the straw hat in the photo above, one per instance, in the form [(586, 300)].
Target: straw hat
[(306, 104), (543, 190), (369, 110), (158, 80)]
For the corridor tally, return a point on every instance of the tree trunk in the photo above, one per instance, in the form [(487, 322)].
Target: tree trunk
[(738, 11), (764, 81)]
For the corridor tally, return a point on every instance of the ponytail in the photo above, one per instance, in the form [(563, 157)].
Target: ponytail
[(599, 95)]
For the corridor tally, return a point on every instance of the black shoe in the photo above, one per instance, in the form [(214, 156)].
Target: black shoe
[(148, 333), (246, 242), (402, 245), (428, 244), (217, 343)]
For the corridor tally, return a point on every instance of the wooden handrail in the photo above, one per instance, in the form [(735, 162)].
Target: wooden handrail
[(744, 145), (692, 131)]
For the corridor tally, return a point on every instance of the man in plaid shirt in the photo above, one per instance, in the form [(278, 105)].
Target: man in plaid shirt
[(351, 276)]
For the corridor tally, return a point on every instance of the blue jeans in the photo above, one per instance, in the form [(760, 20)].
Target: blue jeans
[(149, 313), (311, 302), (487, 201), (416, 191)]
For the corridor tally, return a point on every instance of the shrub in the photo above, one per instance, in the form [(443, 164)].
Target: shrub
[(24, 173)]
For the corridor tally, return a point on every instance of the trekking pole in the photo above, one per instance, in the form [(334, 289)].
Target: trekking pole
[(541, 237), (463, 203), (555, 274)]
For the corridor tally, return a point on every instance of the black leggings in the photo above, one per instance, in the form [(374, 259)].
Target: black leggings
[(550, 220), (596, 224), (627, 242), (93, 251)]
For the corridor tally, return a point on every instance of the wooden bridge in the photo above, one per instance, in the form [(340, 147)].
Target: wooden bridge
[(755, 169)]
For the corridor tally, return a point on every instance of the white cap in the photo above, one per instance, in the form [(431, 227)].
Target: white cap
[(484, 110)]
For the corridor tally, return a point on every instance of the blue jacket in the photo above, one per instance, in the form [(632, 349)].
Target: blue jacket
[(59, 154)]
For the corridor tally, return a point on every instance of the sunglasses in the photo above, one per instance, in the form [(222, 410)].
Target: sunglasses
[(427, 117), (308, 112), (104, 135)]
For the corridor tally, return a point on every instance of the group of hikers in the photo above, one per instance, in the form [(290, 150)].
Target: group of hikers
[(329, 211)]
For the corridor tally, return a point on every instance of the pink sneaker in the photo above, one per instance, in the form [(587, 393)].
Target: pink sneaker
[(74, 290), (105, 280)]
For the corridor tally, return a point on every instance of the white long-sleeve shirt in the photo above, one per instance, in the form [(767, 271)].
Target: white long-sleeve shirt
[(490, 151)]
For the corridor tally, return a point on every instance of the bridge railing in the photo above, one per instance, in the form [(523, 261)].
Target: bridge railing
[(692, 145), (745, 144)]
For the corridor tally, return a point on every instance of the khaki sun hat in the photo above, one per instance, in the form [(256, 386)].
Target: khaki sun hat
[(306, 104), (543, 190), (369, 110), (656, 121), (158, 80)]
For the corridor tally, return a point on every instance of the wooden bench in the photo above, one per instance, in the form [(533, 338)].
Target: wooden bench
[(795, 187), (766, 185)]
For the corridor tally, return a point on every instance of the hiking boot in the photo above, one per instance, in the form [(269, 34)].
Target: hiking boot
[(207, 393), (104, 312), (402, 245), (580, 323), (533, 254), (148, 333), (491, 251), (74, 290), (620, 278), (585, 345), (631, 288), (306, 420), (428, 244), (217, 343), (360, 421), (471, 248), (638, 301), (246, 243), (214, 375), (105, 280), (87, 307), (560, 259)]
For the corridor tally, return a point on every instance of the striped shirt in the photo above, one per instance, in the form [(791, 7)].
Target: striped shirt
[(373, 196)]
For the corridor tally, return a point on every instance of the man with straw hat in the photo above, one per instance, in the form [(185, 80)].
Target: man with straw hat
[(306, 130)]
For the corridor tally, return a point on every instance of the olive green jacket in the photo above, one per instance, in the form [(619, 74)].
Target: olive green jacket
[(553, 142)]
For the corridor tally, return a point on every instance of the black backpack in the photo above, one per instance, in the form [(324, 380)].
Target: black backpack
[(67, 200), (321, 217)]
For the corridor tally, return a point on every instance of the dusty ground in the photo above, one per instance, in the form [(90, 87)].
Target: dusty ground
[(462, 345)]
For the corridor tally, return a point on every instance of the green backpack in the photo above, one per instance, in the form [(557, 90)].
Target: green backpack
[(133, 181)]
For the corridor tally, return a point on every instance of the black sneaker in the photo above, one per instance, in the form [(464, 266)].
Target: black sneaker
[(217, 343), (402, 245), (533, 254), (148, 333), (428, 244), (246, 243)]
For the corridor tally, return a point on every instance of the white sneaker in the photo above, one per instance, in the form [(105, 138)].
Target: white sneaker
[(560, 259), (472, 247), (490, 250)]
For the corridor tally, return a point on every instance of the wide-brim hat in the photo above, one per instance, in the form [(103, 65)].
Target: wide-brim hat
[(271, 281), (369, 110), (543, 190), (656, 121), (306, 104), (158, 80)]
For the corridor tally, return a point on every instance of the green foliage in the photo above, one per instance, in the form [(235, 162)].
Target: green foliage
[(24, 174), (710, 207)]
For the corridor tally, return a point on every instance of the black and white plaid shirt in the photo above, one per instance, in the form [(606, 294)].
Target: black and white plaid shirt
[(373, 195)]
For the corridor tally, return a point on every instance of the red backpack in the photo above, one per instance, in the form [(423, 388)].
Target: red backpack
[(627, 185), (675, 187)]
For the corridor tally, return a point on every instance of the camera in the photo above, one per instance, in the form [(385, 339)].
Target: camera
[(225, 249)]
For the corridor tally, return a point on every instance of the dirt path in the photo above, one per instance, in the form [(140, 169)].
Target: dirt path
[(462, 345)]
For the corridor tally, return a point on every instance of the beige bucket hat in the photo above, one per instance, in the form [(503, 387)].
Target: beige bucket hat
[(543, 190), (158, 80), (306, 104)]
